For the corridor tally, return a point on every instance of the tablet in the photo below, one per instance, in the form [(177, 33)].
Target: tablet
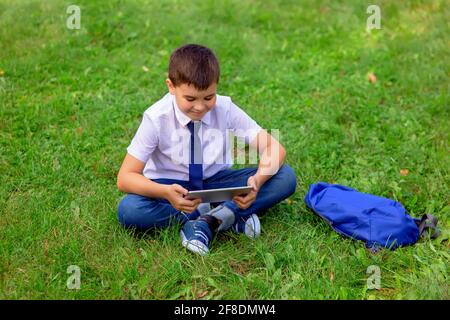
[(218, 195)]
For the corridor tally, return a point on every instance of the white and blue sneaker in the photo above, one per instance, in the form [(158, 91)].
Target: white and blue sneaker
[(250, 226), (196, 234)]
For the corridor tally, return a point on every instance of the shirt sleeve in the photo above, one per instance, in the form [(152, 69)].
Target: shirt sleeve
[(242, 125), (145, 140)]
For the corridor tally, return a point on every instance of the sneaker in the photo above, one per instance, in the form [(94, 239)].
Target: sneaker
[(196, 234), (249, 225)]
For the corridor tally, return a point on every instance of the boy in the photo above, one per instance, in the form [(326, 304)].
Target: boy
[(182, 144)]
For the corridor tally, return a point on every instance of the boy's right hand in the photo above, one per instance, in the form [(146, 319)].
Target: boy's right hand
[(175, 194)]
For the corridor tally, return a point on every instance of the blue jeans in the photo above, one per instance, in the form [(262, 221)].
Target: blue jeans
[(142, 213)]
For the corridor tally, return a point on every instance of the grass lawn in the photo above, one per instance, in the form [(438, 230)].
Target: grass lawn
[(71, 100)]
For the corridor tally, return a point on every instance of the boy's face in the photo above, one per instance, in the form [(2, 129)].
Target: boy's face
[(191, 101)]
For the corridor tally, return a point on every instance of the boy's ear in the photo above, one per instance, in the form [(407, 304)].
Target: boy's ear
[(170, 86)]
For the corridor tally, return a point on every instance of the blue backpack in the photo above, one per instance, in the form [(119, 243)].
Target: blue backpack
[(379, 222)]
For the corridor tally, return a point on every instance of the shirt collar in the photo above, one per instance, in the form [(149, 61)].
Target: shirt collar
[(184, 119)]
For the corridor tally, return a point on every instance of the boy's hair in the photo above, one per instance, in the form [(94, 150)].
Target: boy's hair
[(194, 64)]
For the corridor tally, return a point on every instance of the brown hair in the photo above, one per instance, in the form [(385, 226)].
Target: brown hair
[(194, 64)]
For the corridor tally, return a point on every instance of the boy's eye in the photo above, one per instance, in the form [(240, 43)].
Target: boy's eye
[(192, 99)]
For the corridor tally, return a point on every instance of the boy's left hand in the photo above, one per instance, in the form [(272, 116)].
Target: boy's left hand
[(246, 201)]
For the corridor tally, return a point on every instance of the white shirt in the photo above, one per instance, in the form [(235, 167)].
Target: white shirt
[(162, 140)]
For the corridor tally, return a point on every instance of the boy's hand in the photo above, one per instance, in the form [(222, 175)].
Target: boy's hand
[(175, 194), (246, 201)]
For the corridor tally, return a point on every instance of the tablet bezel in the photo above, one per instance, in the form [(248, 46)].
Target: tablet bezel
[(218, 195)]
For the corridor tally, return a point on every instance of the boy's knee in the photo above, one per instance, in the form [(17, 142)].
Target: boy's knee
[(141, 213), (287, 175), (128, 207)]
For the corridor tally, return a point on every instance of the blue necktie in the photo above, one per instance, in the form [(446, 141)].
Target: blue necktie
[(195, 163)]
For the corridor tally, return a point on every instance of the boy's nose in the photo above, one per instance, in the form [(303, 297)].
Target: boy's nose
[(200, 108)]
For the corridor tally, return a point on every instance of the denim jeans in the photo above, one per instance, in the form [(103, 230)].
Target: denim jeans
[(142, 213)]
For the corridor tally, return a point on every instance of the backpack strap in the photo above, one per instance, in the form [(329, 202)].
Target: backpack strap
[(428, 225)]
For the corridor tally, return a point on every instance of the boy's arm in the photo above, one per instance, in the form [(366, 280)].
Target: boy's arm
[(271, 152), (131, 180), (272, 155)]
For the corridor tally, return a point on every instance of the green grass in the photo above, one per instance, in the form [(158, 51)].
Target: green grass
[(71, 100)]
